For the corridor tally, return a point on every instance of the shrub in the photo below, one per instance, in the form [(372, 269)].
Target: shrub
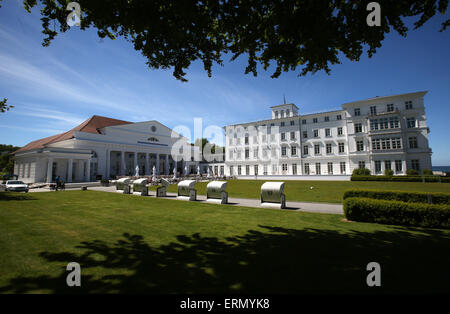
[(412, 172), (402, 178), (397, 213), (361, 172), (388, 172), (427, 172), (412, 197)]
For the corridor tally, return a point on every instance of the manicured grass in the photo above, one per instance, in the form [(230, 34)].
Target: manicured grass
[(128, 243), (323, 191)]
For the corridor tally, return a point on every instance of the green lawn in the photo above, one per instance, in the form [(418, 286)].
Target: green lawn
[(323, 191), (128, 243)]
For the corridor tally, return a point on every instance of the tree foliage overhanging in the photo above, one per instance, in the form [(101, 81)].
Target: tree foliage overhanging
[(291, 34)]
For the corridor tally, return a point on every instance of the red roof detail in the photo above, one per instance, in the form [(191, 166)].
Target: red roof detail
[(91, 125)]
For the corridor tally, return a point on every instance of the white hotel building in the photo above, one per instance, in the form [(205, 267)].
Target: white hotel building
[(380, 133)]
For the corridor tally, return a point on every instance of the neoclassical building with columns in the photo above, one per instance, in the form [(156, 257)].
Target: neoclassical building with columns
[(102, 147)]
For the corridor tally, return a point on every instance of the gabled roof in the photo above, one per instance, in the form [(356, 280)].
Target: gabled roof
[(91, 125)]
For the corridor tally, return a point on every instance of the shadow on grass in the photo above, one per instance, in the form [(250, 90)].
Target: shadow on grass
[(275, 260), (15, 196)]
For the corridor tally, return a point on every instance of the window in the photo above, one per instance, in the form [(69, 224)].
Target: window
[(314, 120), (238, 141), (398, 166), (390, 107), (373, 110), (304, 121), (377, 166), (329, 150), (396, 143), (408, 105), (393, 122), (361, 164), (247, 154), (306, 168), (274, 169), (272, 137), (292, 122), (412, 142), (255, 152), (384, 124), (330, 168), (239, 170), (231, 170), (358, 127), (359, 146), (341, 147), (316, 133), (265, 172), (305, 150), (376, 144), (340, 131), (292, 135), (305, 134), (284, 167), (283, 136), (283, 151), (387, 164), (357, 112), (327, 119), (317, 167), (317, 149), (239, 155), (415, 164), (282, 123), (294, 169), (342, 166), (255, 169), (246, 140), (287, 112), (247, 170), (411, 122), (293, 150), (276, 114), (264, 138), (339, 117), (373, 124), (327, 132), (282, 113)]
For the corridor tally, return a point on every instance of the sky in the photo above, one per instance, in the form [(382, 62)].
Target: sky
[(56, 88)]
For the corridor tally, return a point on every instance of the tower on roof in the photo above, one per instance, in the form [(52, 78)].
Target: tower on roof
[(284, 111)]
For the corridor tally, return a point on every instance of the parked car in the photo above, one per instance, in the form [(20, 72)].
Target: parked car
[(16, 186)]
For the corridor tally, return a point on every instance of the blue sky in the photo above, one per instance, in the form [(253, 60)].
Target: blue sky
[(55, 88)]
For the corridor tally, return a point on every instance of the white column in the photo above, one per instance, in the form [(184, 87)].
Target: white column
[(49, 169), (108, 164), (404, 166), (122, 163), (147, 164), (135, 161), (175, 166), (157, 163), (69, 171), (88, 170), (167, 165)]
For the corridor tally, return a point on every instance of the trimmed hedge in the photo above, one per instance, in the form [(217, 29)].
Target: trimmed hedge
[(397, 213), (402, 178), (402, 196)]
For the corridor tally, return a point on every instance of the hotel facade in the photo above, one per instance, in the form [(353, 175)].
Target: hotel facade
[(380, 133)]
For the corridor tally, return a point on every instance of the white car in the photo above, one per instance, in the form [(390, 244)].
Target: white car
[(16, 186)]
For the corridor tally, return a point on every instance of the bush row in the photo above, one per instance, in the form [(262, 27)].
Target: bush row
[(397, 213), (402, 178), (402, 196)]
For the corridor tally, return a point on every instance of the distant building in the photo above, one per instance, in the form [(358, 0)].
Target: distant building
[(104, 147), (380, 133)]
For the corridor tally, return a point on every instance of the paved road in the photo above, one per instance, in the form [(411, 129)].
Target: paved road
[(294, 206)]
